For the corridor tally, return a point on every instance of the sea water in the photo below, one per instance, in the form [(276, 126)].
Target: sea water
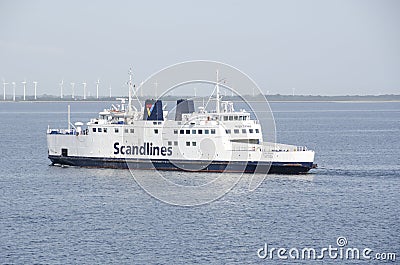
[(55, 215)]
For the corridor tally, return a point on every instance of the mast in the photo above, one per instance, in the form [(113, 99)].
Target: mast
[(69, 118), (217, 92), (130, 91)]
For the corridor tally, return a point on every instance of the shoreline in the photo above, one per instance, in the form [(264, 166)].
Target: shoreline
[(253, 101)]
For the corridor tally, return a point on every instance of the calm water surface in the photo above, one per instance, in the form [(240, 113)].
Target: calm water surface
[(55, 215)]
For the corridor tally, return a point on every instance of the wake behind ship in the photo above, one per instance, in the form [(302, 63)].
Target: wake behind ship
[(220, 140)]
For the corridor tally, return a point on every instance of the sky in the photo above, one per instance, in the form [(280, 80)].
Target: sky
[(340, 47)]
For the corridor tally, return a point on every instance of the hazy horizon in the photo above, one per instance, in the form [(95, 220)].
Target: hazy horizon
[(316, 47)]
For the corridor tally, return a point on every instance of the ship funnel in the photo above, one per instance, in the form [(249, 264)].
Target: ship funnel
[(183, 106), (153, 110)]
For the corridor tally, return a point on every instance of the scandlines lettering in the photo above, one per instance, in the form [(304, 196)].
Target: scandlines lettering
[(145, 149)]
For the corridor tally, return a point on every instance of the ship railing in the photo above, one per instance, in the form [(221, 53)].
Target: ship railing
[(246, 149), (274, 147), (271, 147), (62, 131)]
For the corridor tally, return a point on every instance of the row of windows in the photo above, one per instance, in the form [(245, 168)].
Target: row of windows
[(235, 118), (193, 143), (229, 131), (116, 130), (187, 143), (132, 131), (170, 143), (199, 131), (100, 130), (194, 131)]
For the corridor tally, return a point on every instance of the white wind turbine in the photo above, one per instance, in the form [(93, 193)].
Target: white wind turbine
[(84, 90), (97, 88), (13, 83), (24, 83), (110, 90), (35, 83), (4, 89), (73, 90), (156, 85), (61, 88)]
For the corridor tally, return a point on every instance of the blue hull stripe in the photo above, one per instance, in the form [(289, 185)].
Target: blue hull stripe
[(184, 165)]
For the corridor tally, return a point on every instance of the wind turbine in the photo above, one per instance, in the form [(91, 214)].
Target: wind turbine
[(13, 83), (35, 83), (156, 85), (110, 90), (61, 88), (73, 90), (293, 91), (84, 90), (97, 88), (24, 83), (4, 89)]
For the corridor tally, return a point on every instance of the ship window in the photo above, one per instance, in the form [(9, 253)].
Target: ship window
[(181, 131), (116, 130), (193, 143), (206, 131), (126, 130), (94, 129), (236, 130), (231, 118), (169, 142), (187, 131), (193, 131), (200, 131), (240, 118), (132, 130), (156, 131), (99, 130), (236, 118), (105, 130), (228, 131), (175, 131), (154, 123), (257, 130), (244, 118), (212, 131), (225, 118), (250, 130), (175, 143), (243, 130), (187, 143)]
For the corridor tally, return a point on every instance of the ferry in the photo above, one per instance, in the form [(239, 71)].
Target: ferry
[(218, 140)]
